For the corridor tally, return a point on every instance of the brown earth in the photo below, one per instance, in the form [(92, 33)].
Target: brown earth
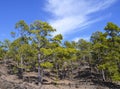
[(8, 81)]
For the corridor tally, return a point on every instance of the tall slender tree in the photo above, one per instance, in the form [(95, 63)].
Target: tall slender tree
[(40, 33)]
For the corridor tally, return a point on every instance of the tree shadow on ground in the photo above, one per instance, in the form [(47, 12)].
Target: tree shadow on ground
[(87, 75), (106, 84), (96, 79)]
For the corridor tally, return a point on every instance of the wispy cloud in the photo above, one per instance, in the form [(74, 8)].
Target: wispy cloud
[(76, 39), (69, 15)]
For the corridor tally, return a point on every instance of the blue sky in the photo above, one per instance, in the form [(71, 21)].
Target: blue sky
[(75, 19)]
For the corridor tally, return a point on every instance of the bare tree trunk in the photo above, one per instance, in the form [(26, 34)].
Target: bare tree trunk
[(39, 75), (21, 69), (5, 60), (21, 64), (103, 75), (57, 70), (71, 77)]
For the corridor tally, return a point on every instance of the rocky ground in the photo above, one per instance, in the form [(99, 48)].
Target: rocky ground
[(12, 82)]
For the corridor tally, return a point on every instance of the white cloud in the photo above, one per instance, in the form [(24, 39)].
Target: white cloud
[(87, 38), (70, 15)]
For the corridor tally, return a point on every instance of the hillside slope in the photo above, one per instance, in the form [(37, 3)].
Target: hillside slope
[(8, 81)]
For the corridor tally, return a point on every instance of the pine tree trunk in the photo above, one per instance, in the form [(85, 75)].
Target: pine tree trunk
[(5, 60), (21, 64), (21, 69), (39, 75), (103, 75), (57, 70), (71, 77)]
